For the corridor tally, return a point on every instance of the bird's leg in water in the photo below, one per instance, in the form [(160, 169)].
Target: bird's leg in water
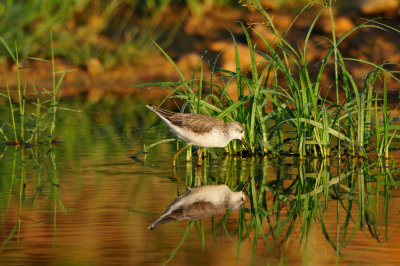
[(176, 154), (200, 157)]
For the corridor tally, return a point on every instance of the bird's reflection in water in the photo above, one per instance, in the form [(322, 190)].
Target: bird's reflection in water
[(200, 202)]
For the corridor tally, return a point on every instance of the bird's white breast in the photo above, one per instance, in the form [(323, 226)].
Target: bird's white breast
[(213, 138)]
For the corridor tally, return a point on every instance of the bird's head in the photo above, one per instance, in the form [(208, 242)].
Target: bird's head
[(236, 131), (236, 201)]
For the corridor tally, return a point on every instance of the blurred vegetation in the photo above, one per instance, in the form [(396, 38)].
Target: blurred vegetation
[(112, 31), (118, 31)]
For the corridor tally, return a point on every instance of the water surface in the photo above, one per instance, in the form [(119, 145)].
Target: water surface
[(86, 202)]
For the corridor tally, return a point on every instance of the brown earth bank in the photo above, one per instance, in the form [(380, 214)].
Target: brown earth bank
[(206, 37)]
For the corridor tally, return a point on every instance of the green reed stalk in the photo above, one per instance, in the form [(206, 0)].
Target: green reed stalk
[(279, 116), (10, 52), (55, 94), (385, 119), (54, 102), (21, 96), (361, 124), (379, 138), (38, 119), (239, 83), (200, 89), (335, 49), (240, 90), (4, 136), (253, 101), (12, 113), (369, 90)]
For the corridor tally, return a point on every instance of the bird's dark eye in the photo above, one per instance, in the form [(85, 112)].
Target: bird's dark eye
[(241, 131), (242, 199)]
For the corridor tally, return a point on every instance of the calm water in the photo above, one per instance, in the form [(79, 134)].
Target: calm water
[(85, 202)]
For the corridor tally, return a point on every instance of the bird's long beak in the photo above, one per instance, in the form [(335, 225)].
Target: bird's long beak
[(246, 184), (247, 147)]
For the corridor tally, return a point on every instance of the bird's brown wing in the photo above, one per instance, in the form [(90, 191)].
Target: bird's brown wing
[(196, 122)]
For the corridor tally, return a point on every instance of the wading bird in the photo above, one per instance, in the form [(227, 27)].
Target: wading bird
[(200, 130)]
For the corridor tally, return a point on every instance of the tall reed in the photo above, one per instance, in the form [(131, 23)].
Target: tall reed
[(42, 113), (287, 80)]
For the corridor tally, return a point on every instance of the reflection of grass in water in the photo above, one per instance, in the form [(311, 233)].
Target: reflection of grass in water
[(286, 81), (18, 189), (37, 123), (283, 210), (185, 235), (304, 201)]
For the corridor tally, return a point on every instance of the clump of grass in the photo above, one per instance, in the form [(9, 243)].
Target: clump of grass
[(288, 82), (36, 121)]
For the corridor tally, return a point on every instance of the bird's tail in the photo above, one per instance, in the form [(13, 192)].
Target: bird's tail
[(160, 112), (160, 221)]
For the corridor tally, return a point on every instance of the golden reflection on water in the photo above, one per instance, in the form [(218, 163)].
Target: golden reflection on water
[(96, 210)]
